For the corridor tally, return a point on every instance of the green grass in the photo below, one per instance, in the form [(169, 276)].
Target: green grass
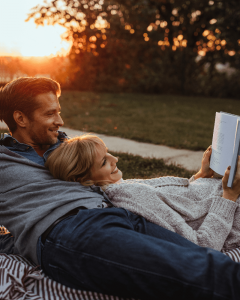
[(134, 166), (176, 121)]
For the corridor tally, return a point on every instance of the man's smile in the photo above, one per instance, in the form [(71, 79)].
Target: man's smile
[(54, 130)]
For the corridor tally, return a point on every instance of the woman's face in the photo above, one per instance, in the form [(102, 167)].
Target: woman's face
[(104, 167)]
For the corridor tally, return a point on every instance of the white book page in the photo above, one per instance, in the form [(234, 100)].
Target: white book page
[(223, 142)]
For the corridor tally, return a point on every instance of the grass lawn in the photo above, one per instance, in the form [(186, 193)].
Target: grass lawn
[(176, 121), (134, 166)]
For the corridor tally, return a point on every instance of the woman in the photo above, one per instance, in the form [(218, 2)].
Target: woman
[(202, 209)]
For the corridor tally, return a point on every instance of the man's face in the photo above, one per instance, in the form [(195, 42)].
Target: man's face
[(43, 126)]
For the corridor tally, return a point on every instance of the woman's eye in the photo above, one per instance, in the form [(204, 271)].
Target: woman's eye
[(104, 162)]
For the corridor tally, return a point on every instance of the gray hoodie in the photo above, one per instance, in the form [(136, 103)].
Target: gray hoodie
[(31, 200)]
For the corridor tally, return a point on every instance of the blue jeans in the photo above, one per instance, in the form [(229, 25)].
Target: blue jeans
[(113, 251)]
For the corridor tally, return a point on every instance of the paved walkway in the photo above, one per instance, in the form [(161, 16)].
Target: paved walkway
[(190, 160)]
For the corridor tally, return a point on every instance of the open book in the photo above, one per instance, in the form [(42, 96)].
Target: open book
[(225, 144)]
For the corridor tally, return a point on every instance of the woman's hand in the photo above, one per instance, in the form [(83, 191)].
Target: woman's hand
[(234, 192), (205, 171)]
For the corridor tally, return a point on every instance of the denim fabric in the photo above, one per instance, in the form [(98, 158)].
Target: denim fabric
[(113, 251), (27, 151)]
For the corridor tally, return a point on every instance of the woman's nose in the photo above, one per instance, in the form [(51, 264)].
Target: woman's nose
[(114, 159)]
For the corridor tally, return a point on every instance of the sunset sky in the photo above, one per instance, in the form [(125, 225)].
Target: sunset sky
[(18, 37)]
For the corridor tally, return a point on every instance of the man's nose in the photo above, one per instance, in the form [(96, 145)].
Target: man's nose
[(59, 121)]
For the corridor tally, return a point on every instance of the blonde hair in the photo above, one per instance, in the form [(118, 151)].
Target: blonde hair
[(74, 158)]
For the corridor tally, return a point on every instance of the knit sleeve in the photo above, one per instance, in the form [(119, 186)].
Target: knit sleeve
[(216, 226), (160, 181), (143, 200)]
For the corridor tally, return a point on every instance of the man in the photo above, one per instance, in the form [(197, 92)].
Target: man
[(74, 232)]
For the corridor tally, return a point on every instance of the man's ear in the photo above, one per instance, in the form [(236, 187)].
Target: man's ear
[(20, 118)]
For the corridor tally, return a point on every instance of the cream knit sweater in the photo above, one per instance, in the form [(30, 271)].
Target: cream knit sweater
[(194, 210)]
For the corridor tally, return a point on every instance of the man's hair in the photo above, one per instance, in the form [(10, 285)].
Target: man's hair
[(74, 158), (20, 94)]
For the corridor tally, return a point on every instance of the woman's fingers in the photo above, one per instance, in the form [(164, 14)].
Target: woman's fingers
[(225, 178), (228, 193), (205, 171), (236, 182), (209, 148), (238, 168), (207, 152), (234, 192)]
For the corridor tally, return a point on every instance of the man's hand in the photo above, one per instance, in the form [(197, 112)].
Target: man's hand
[(234, 192), (205, 171)]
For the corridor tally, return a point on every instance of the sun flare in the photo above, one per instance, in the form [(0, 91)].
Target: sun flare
[(20, 38)]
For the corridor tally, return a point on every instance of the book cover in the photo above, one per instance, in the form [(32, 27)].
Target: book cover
[(235, 156), (225, 144)]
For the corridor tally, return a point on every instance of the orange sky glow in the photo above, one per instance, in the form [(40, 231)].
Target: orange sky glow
[(20, 38)]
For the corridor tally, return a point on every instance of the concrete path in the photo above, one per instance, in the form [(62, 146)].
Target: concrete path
[(190, 160)]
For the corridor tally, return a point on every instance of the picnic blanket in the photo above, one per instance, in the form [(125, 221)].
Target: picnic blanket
[(22, 280)]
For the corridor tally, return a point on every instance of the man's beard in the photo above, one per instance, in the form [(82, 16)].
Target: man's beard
[(43, 139)]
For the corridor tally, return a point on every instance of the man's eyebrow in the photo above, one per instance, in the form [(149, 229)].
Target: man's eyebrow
[(53, 110)]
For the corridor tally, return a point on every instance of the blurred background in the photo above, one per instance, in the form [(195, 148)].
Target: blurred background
[(148, 46), (149, 70)]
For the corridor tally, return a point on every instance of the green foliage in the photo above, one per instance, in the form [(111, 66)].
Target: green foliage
[(148, 45)]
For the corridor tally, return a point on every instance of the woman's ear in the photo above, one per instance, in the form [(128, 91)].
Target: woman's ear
[(20, 118)]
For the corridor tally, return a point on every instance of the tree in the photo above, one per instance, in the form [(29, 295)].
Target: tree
[(129, 43)]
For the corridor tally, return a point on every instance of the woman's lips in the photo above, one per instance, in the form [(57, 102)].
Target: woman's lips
[(115, 171)]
